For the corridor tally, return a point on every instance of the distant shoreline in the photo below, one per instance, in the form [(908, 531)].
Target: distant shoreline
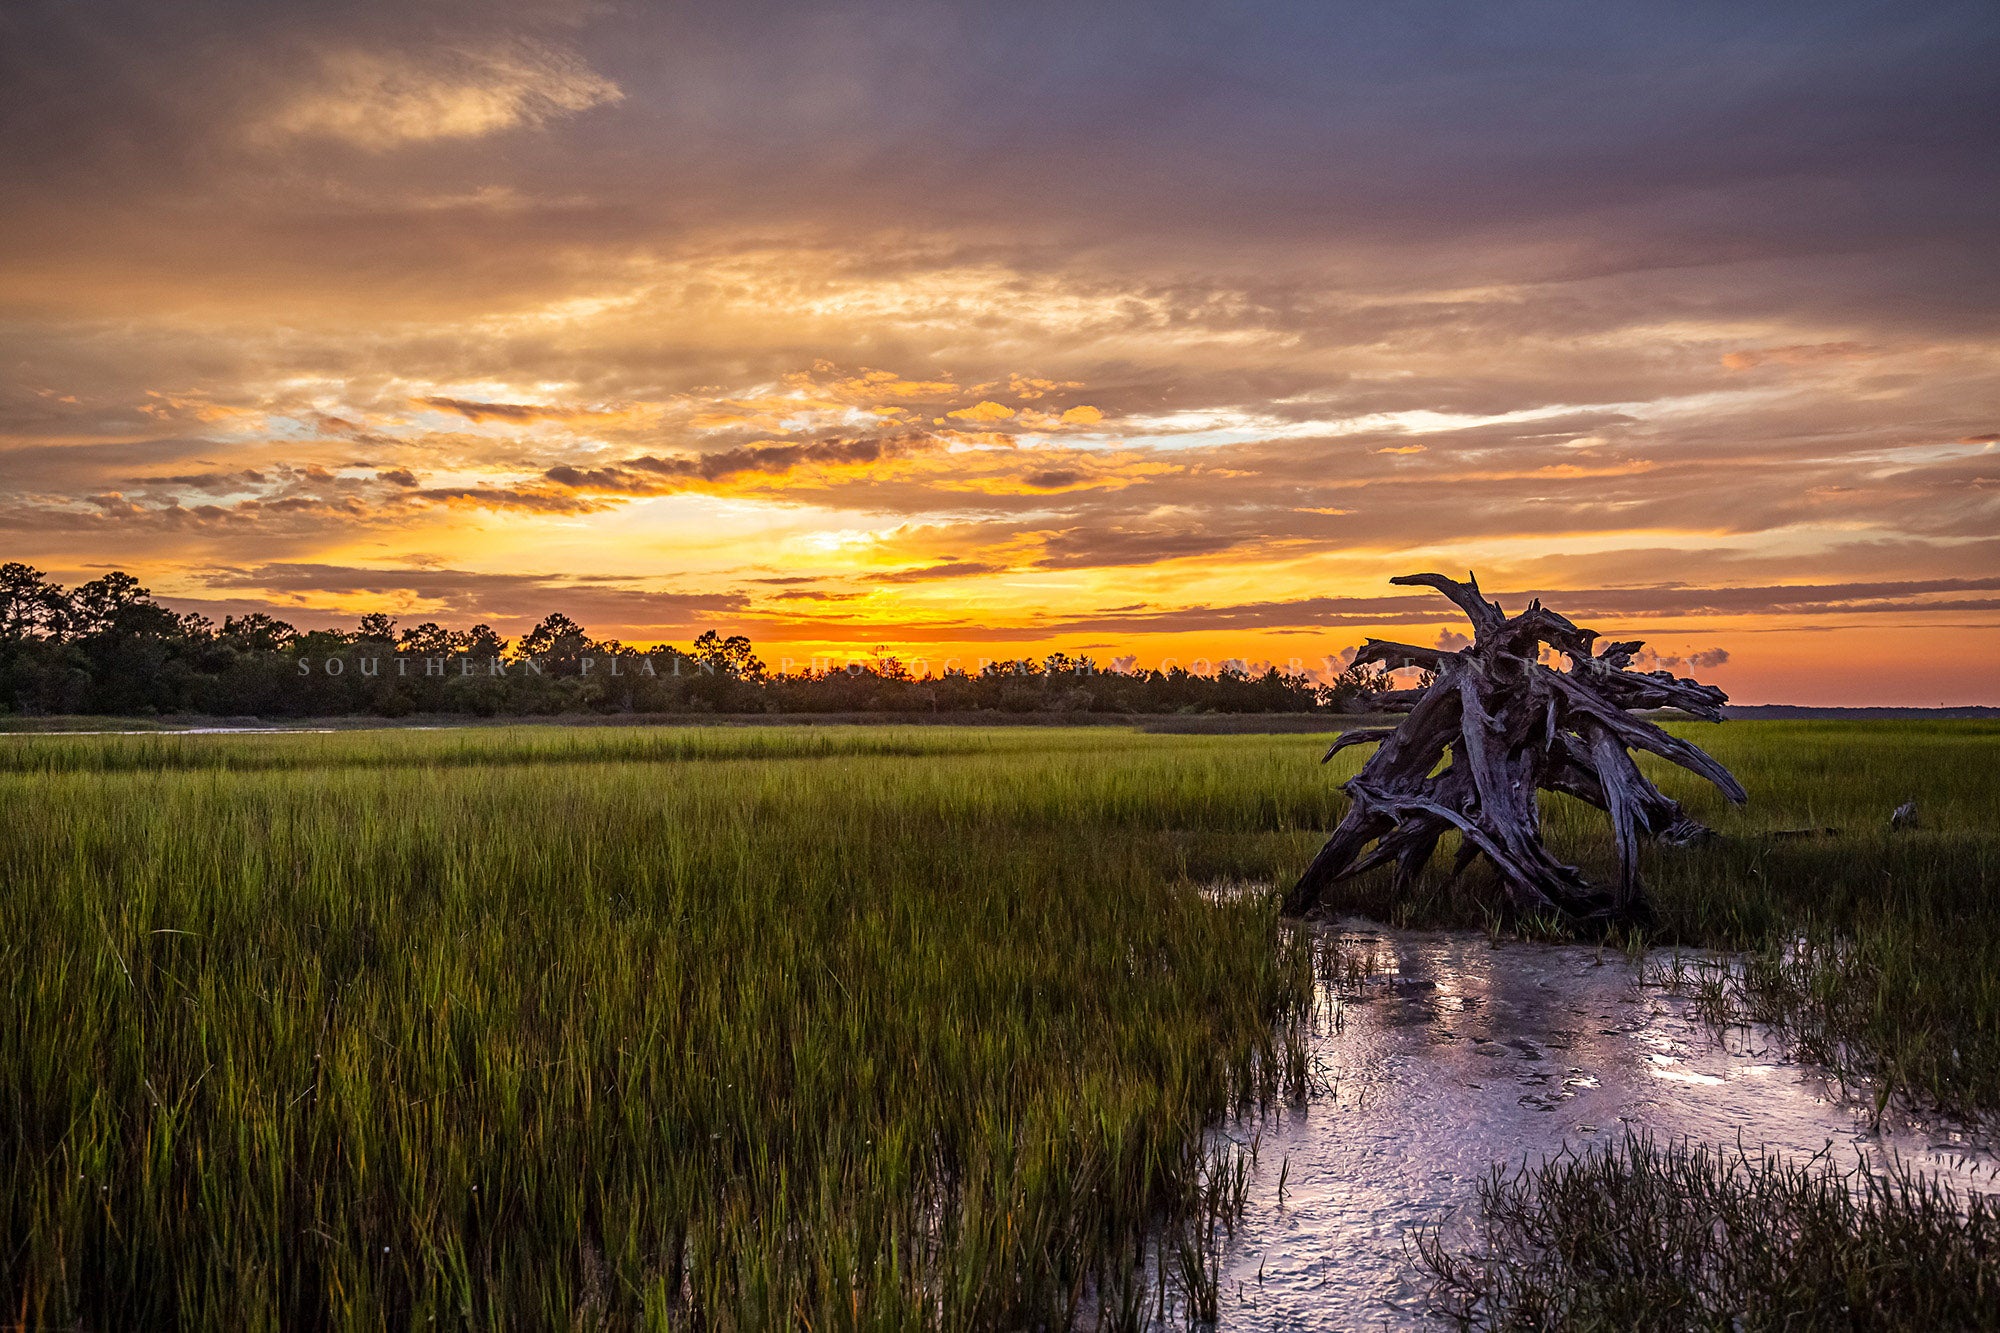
[(1160, 723), (1747, 712)]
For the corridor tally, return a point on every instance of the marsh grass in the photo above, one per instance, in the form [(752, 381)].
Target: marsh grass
[(535, 1029), (1634, 1236), (740, 1028), (1876, 951)]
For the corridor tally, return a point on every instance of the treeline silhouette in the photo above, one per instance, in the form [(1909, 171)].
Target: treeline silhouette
[(107, 648)]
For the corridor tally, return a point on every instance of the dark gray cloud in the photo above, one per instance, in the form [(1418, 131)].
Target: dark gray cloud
[(1460, 144), (505, 599)]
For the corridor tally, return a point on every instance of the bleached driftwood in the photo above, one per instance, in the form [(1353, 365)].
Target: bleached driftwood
[(1511, 726)]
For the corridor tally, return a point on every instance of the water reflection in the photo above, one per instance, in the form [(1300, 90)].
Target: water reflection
[(1458, 1053)]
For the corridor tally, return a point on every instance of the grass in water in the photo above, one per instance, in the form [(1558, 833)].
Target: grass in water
[(1632, 1236), (535, 1029)]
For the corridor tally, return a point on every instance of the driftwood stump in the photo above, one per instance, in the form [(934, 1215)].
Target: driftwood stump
[(1512, 726)]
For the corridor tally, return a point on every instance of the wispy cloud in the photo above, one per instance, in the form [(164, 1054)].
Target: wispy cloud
[(389, 98)]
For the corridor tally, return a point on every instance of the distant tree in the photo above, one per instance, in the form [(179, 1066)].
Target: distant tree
[(257, 633), (376, 626), (731, 657), (431, 640), (559, 642), (138, 654), (95, 607), (483, 642), (30, 606), (889, 666)]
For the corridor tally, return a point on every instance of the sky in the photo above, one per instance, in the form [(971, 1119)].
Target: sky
[(1147, 332)]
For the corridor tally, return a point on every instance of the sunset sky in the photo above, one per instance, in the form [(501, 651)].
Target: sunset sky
[(1140, 330)]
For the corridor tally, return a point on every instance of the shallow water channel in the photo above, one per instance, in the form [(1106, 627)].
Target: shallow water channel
[(1458, 1053)]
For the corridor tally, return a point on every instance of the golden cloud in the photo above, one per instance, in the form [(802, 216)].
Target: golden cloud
[(869, 386), (985, 410), (1028, 388)]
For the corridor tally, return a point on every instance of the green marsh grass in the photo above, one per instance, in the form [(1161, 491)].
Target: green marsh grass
[(1634, 1237), (755, 1027), (528, 1028)]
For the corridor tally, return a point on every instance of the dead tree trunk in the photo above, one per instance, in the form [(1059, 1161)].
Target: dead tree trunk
[(1511, 726)]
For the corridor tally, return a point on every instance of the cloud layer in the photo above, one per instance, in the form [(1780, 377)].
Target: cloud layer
[(1171, 331)]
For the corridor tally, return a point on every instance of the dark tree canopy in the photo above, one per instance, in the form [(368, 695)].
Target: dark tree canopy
[(1511, 726), (107, 647)]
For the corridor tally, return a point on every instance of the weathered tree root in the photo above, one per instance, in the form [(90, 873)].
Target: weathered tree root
[(1513, 726)]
